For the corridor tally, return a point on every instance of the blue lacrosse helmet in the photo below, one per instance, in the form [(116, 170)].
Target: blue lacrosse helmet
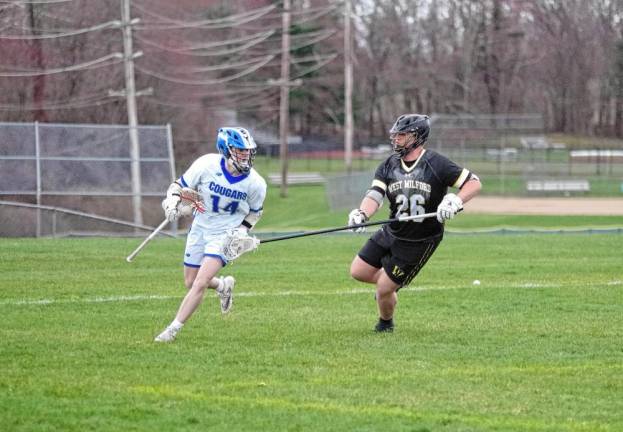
[(233, 143)]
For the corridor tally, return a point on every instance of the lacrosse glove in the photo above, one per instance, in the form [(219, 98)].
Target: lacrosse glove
[(450, 205), (169, 205), (356, 217)]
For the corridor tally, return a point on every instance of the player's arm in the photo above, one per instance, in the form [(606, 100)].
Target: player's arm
[(369, 206), (174, 192), (251, 219), (371, 202), (238, 240), (470, 188), (256, 206), (169, 204)]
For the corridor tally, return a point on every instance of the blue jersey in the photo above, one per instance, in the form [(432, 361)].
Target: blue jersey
[(228, 198)]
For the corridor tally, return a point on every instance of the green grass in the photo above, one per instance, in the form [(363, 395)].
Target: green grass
[(535, 347)]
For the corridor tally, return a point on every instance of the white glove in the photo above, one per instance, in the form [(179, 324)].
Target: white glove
[(356, 217), (169, 206), (239, 232), (450, 205)]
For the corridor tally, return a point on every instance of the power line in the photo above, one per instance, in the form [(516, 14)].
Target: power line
[(239, 93), (188, 50), (231, 90), (253, 101), (226, 22), (328, 59), (316, 37), (315, 14), (100, 62), (220, 108), (33, 2), (185, 70), (98, 27), (299, 41), (83, 102), (245, 72)]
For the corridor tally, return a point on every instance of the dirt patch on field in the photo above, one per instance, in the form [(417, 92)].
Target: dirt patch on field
[(546, 206)]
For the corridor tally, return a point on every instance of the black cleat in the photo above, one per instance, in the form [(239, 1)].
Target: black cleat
[(384, 326)]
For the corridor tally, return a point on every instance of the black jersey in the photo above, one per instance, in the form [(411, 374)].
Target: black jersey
[(417, 189)]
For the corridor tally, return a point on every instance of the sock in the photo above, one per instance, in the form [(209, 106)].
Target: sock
[(176, 325), (220, 286)]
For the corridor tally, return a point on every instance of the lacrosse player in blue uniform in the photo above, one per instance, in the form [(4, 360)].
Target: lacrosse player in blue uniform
[(233, 196), (415, 181)]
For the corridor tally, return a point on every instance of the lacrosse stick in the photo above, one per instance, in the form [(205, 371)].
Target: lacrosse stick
[(147, 240), (190, 200), (237, 244)]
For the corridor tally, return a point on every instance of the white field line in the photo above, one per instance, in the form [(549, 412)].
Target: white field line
[(354, 291)]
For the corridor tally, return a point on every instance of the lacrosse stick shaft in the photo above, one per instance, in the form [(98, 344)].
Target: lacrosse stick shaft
[(352, 227), (147, 240)]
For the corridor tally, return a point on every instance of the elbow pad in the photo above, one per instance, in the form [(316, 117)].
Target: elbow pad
[(375, 196)]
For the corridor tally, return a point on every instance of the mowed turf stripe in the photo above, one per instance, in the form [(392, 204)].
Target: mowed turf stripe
[(355, 291), (504, 422)]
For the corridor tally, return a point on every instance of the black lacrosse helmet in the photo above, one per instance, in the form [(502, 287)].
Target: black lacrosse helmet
[(416, 124)]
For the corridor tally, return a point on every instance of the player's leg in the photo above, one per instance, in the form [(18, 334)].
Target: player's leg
[(196, 244), (224, 287), (364, 272), (367, 266), (399, 268), (209, 268), (190, 273), (203, 275), (386, 300)]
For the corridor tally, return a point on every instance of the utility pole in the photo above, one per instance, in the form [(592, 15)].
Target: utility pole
[(130, 92), (348, 88), (284, 103)]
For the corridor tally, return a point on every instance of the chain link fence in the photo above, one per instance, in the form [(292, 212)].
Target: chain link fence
[(80, 167), (510, 152)]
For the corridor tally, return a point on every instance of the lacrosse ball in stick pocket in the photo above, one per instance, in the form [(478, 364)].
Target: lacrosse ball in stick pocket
[(191, 200)]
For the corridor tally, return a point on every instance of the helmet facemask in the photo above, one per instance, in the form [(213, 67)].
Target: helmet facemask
[(414, 127), (410, 143), (241, 159)]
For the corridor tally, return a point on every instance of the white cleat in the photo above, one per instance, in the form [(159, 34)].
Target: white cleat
[(168, 335), (226, 294)]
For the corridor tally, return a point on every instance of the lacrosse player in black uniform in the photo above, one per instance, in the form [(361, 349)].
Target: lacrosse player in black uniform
[(415, 181)]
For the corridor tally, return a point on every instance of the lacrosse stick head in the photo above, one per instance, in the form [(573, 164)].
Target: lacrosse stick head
[(190, 200), (238, 242)]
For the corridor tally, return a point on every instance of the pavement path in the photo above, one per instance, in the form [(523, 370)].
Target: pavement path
[(546, 206)]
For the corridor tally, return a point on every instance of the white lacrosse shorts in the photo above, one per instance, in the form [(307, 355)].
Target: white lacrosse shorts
[(200, 244)]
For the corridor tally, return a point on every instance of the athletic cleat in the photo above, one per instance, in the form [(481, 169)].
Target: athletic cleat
[(168, 335), (227, 293), (384, 326)]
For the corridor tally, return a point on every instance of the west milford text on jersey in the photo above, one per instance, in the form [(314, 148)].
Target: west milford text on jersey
[(409, 184)]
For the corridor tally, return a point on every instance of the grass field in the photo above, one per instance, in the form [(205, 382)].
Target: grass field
[(536, 347)]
